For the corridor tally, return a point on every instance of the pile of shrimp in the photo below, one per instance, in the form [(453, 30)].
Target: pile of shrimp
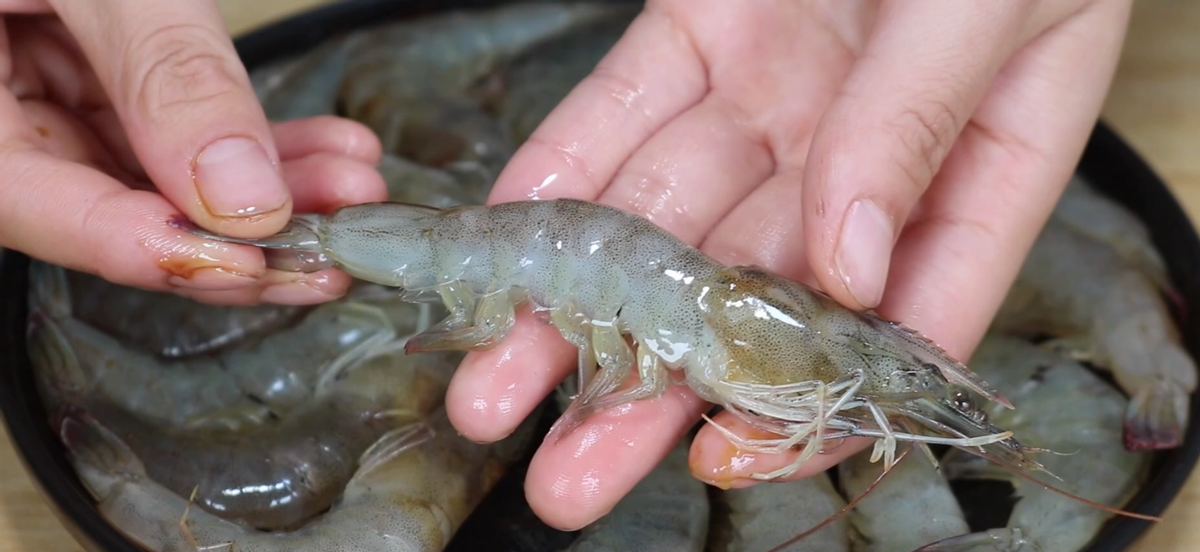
[(271, 428)]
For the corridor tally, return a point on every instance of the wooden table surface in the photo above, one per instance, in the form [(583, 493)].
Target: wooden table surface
[(1154, 104)]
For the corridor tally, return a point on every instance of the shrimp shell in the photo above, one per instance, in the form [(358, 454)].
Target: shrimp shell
[(786, 357)]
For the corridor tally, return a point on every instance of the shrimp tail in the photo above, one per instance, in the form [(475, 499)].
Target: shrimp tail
[(1158, 413), (1004, 539), (296, 248), (49, 292), (102, 460), (845, 509)]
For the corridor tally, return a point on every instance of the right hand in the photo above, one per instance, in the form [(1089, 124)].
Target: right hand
[(117, 115)]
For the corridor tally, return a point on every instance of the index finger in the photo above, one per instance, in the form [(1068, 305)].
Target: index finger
[(648, 78)]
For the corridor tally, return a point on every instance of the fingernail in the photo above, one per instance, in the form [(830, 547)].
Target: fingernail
[(864, 251), (235, 178), (212, 279)]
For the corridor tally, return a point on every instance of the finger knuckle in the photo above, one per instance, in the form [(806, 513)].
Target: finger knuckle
[(620, 90), (183, 67), (926, 133)]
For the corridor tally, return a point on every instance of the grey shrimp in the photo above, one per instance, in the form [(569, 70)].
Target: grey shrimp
[(784, 357), (412, 490), (1066, 405), (272, 375), (1103, 309), (911, 507), (759, 518)]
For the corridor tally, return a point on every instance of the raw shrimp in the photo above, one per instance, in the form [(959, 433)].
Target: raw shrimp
[(1090, 213), (422, 85), (169, 325), (1104, 310), (278, 474), (541, 77), (784, 357), (1065, 405), (667, 511), (912, 506), (304, 86), (762, 516), (240, 385), (413, 489)]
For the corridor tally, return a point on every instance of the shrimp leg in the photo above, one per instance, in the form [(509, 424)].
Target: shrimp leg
[(472, 325), (573, 327), (616, 359)]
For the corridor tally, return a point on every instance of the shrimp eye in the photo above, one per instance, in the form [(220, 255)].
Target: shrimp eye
[(963, 403)]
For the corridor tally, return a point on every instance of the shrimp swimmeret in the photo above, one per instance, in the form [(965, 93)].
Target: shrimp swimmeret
[(786, 358)]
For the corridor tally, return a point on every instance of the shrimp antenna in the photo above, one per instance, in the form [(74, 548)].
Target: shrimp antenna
[(1052, 488), (845, 509)]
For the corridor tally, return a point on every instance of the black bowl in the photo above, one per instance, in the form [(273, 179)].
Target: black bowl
[(1108, 164)]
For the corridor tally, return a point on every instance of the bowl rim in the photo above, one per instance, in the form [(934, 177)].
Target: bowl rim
[(1108, 163)]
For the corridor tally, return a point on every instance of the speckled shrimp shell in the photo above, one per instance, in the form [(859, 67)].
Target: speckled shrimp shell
[(785, 357)]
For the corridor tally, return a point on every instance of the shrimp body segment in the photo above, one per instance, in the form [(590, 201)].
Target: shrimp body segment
[(786, 357)]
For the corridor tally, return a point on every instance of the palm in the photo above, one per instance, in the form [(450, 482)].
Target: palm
[(752, 130)]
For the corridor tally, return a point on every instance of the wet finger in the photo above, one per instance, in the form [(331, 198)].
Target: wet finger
[(493, 391), (715, 460), (288, 288), (188, 109), (692, 172), (649, 77), (301, 137), (573, 482), (323, 181), (75, 216)]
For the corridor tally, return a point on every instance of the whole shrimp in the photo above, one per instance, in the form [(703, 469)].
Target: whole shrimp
[(241, 385), (758, 518), (667, 511), (169, 325), (1062, 404), (912, 506), (278, 474), (786, 358), (1105, 310), (412, 490)]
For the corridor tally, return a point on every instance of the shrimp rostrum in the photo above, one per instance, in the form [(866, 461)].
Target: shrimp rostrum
[(785, 357)]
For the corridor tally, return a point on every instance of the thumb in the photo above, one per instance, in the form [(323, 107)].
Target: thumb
[(188, 109)]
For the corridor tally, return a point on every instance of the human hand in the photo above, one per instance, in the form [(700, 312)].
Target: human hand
[(103, 98), (802, 137)]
